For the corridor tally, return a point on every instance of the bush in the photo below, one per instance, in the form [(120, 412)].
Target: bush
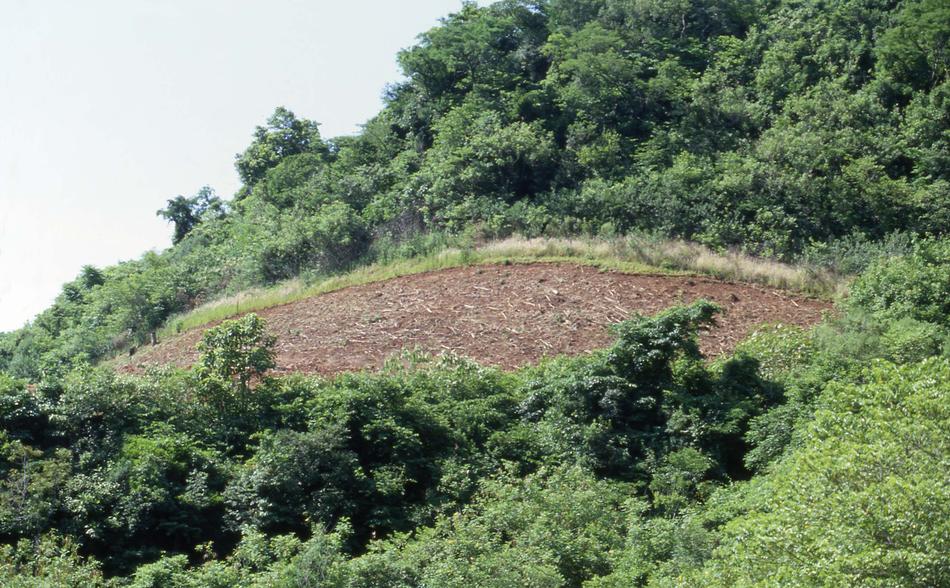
[(295, 480), (235, 352), (864, 501), (51, 562), (908, 341), (852, 254), (915, 286), (327, 240), (21, 415), (779, 349)]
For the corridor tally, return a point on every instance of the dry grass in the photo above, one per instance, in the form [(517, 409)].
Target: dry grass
[(628, 254), (675, 256), (733, 266)]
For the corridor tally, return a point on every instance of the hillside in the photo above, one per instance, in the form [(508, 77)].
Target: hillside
[(499, 315), (689, 264), (793, 130)]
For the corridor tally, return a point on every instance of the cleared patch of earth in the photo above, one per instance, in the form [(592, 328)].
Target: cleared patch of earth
[(501, 315)]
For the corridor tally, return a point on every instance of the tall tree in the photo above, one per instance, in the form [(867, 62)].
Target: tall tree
[(186, 212), (283, 135)]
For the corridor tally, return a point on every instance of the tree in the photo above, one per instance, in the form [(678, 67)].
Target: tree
[(863, 502), (915, 286), (479, 162), (283, 136), (186, 213), (52, 561), (296, 479), (31, 485), (235, 352), (608, 412), (914, 52), (233, 355)]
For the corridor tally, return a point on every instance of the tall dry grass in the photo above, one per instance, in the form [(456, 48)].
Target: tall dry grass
[(733, 266), (631, 254), (670, 255)]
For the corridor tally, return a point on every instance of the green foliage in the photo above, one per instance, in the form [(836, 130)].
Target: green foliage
[(258, 562), (864, 502), (51, 562), (678, 480), (790, 129), (283, 136), (915, 286), (477, 163), (779, 349), (852, 254), (165, 481), (914, 51), (554, 528), (608, 412), (295, 179), (186, 213), (31, 488), (295, 481), (328, 240), (659, 548), (235, 352), (168, 571), (21, 414), (233, 356)]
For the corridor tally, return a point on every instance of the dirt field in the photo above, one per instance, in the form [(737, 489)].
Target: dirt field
[(503, 315)]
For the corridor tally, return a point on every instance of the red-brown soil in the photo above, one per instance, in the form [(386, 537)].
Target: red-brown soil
[(502, 315)]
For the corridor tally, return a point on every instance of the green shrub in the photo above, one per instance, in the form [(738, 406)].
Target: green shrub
[(678, 480), (235, 352), (852, 254), (779, 349), (916, 285), (52, 561), (908, 340), (865, 500), (21, 414), (295, 480)]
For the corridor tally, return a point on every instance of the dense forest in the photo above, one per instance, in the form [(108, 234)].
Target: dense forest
[(813, 132)]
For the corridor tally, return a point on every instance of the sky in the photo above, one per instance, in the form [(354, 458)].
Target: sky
[(108, 108)]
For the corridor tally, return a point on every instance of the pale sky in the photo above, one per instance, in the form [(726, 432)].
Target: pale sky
[(110, 107)]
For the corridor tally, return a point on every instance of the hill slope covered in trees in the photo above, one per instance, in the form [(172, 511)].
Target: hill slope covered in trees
[(794, 129), (813, 132)]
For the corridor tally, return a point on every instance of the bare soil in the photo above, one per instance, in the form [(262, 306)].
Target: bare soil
[(501, 315)]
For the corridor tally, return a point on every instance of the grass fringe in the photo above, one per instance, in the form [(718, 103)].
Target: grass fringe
[(631, 254)]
